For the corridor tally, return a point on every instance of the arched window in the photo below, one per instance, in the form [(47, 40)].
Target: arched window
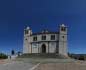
[(26, 31), (44, 37), (63, 29), (35, 38)]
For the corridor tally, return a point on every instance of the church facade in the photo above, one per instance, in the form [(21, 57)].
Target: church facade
[(45, 41)]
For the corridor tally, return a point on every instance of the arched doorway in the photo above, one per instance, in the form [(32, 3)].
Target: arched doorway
[(43, 48)]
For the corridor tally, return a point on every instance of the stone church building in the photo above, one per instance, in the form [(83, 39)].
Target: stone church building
[(45, 41)]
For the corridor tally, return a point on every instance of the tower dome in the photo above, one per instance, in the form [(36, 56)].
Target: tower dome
[(63, 25), (28, 28)]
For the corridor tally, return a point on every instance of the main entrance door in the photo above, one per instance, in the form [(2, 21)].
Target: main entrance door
[(43, 48)]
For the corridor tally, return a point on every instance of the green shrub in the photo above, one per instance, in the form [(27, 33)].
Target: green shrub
[(81, 58), (3, 56)]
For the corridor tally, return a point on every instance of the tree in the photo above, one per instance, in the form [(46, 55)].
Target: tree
[(3, 56)]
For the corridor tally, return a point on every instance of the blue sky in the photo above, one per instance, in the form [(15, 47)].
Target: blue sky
[(39, 14)]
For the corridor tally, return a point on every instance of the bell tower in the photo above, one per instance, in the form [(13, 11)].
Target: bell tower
[(63, 40), (26, 40)]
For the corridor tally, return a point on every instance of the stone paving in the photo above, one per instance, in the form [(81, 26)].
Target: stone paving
[(44, 64), (16, 65), (77, 65)]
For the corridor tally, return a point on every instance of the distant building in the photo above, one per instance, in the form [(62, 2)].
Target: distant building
[(45, 41)]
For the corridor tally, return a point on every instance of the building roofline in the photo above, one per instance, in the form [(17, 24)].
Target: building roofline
[(39, 33)]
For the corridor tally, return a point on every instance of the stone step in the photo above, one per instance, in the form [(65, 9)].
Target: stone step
[(42, 55)]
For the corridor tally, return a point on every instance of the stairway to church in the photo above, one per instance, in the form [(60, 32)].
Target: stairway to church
[(43, 55)]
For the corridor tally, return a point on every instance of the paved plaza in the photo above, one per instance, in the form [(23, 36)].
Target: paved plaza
[(16, 65), (42, 64)]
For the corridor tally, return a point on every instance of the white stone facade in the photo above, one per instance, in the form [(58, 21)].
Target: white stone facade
[(45, 41)]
